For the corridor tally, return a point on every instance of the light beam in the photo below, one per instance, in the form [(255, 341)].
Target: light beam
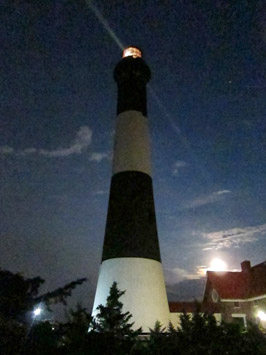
[(105, 24)]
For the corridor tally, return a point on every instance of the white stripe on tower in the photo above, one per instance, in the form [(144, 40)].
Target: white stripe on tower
[(131, 254), (132, 148)]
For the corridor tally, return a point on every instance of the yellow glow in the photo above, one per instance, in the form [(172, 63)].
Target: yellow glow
[(218, 265), (261, 315), (132, 52), (201, 271)]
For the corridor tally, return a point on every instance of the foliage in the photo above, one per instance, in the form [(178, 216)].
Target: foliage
[(74, 333), (111, 332), (158, 342), (43, 338), (19, 295), (111, 327), (110, 318), (200, 334), (254, 340), (12, 337), (60, 294)]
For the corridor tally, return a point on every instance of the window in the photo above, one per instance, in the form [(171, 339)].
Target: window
[(239, 318), (240, 321), (215, 296)]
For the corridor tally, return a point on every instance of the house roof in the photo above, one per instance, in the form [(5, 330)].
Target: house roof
[(248, 283), (190, 307), (228, 284), (258, 281)]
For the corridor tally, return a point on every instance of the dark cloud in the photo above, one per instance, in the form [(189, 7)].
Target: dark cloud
[(186, 290)]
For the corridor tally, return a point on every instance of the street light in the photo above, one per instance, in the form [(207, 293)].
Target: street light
[(262, 315)]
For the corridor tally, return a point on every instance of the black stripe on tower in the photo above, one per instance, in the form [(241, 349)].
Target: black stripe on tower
[(131, 229), (132, 75)]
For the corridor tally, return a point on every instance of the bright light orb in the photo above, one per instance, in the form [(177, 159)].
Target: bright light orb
[(262, 315), (37, 311), (218, 265)]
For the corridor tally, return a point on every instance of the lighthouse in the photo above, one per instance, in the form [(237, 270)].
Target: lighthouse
[(131, 253)]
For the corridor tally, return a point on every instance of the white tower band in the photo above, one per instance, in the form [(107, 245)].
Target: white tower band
[(131, 253)]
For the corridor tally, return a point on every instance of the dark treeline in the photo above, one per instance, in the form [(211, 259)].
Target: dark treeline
[(110, 333)]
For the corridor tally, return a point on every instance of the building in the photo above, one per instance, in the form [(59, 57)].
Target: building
[(232, 296), (131, 253), (241, 295)]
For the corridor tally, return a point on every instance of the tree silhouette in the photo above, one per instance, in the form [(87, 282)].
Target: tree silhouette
[(111, 331), (111, 327), (74, 332), (110, 317), (19, 294)]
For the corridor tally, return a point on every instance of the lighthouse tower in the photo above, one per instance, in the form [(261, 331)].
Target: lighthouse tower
[(131, 253)]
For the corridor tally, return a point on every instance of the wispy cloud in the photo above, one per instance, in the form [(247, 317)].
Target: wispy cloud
[(177, 166), (100, 192), (205, 200), (201, 270), (233, 237), (98, 157), (177, 274), (5, 149), (222, 192), (80, 144), (27, 151)]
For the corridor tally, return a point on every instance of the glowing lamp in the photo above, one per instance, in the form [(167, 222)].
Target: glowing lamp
[(262, 315), (132, 52)]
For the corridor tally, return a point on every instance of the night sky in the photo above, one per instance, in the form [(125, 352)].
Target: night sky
[(206, 108)]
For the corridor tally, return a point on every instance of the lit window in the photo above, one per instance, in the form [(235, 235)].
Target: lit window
[(132, 52)]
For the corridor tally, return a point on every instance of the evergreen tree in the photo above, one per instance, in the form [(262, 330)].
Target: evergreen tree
[(110, 318), (111, 327), (200, 334), (43, 339), (74, 332), (158, 342)]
